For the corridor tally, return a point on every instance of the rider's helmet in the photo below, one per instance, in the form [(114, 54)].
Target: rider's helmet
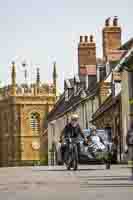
[(74, 117), (74, 120)]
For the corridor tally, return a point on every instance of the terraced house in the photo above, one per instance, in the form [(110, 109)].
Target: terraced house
[(98, 92)]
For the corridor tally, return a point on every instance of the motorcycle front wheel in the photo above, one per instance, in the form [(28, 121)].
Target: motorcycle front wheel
[(75, 164)]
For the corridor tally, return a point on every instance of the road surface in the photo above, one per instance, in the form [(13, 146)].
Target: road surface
[(55, 183)]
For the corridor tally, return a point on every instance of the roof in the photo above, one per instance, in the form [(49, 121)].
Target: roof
[(62, 106), (69, 83), (113, 63), (126, 59), (127, 45), (105, 106), (116, 65)]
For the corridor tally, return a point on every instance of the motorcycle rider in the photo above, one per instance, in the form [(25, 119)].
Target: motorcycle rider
[(73, 130)]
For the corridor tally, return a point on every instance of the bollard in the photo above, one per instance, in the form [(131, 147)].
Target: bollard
[(108, 159)]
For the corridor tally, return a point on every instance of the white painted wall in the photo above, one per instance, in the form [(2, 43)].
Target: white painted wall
[(125, 105)]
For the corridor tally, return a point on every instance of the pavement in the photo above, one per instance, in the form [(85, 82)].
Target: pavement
[(55, 182)]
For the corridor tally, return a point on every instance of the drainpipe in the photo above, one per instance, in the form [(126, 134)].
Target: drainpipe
[(86, 116)]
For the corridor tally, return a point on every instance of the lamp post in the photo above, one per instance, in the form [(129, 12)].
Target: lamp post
[(53, 142), (86, 116), (83, 96)]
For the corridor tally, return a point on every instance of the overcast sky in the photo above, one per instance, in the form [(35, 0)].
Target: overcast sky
[(42, 31)]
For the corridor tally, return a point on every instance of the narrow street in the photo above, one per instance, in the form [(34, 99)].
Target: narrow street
[(89, 182)]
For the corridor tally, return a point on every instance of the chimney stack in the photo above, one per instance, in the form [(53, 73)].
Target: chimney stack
[(87, 60), (111, 37)]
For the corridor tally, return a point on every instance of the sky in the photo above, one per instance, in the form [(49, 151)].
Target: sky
[(43, 31)]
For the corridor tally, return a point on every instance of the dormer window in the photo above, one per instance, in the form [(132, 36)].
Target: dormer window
[(83, 94), (66, 95), (76, 84), (68, 89), (75, 89), (107, 68)]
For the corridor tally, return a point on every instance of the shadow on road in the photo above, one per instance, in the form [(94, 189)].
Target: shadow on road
[(109, 178), (59, 170), (119, 185)]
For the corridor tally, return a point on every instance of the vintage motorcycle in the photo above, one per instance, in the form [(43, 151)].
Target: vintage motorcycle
[(71, 153)]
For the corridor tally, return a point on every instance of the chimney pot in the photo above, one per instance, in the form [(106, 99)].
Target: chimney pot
[(81, 38), (86, 38), (107, 22), (13, 63), (91, 38), (115, 21)]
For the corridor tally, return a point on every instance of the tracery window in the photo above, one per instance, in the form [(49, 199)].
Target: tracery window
[(35, 122)]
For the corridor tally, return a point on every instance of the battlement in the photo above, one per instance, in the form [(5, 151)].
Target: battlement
[(28, 90)]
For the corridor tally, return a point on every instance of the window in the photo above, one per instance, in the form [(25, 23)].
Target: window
[(35, 123)]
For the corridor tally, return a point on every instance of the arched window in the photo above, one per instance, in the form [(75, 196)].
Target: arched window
[(35, 122)]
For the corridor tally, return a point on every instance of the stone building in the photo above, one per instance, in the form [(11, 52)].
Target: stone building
[(106, 102), (23, 111), (80, 94), (90, 83), (113, 112), (80, 101)]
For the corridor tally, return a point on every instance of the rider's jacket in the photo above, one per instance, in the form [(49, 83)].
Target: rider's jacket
[(73, 132)]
